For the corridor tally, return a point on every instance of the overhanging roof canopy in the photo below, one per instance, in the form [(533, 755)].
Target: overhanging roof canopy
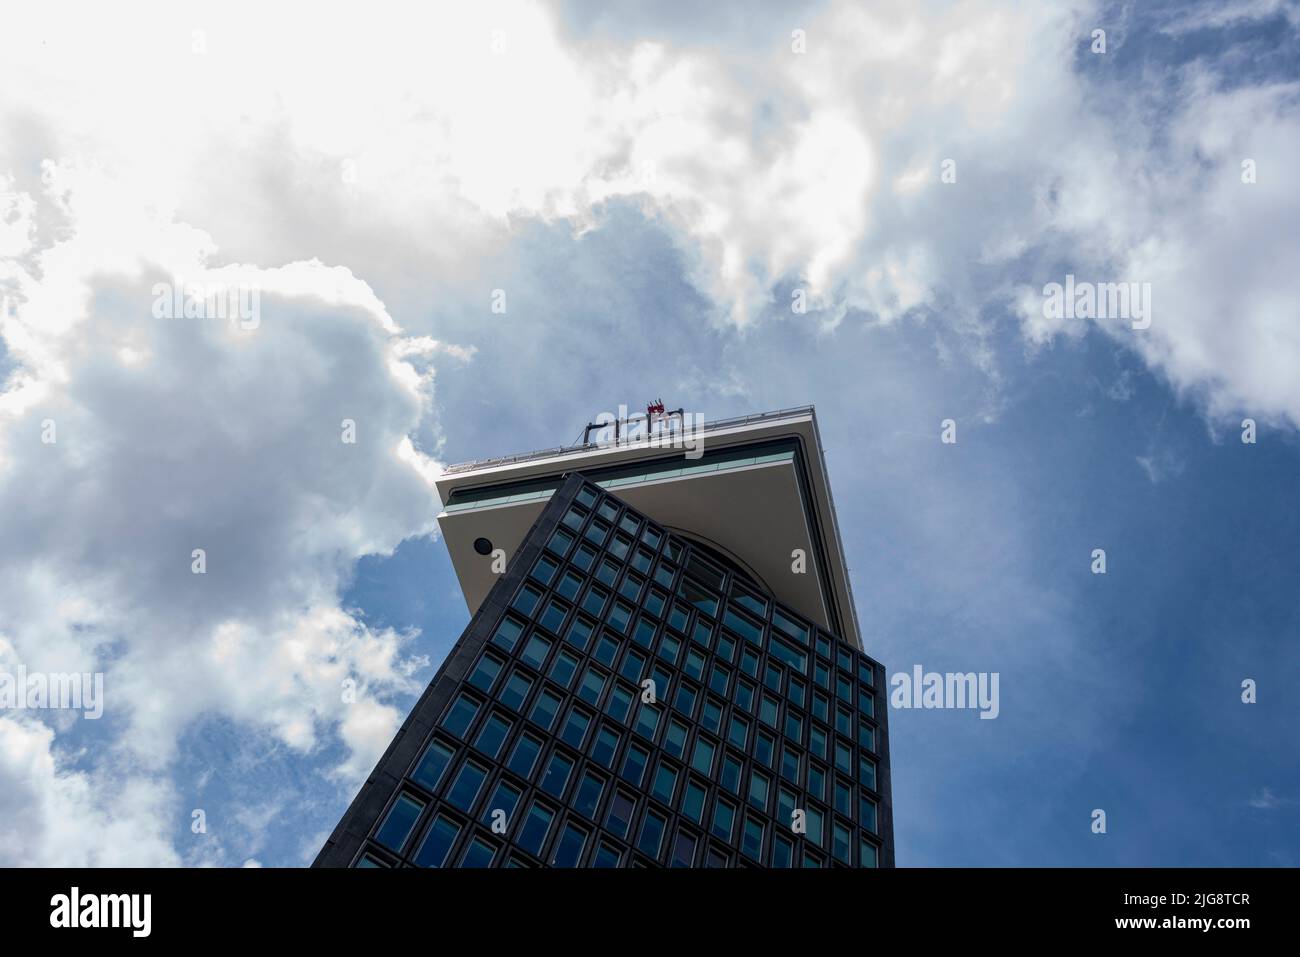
[(757, 492)]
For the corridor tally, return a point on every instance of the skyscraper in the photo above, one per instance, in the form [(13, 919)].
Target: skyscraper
[(663, 665)]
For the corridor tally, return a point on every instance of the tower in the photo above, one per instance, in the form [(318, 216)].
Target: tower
[(663, 666)]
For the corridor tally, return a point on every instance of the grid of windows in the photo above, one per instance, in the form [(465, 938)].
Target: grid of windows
[(637, 704)]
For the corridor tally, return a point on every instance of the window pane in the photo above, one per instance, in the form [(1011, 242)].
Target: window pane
[(621, 809), (525, 755), (431, 767), (492, 735), (536, 826), (568, 850), (460, 715), (397, 826), (557, 774), (587, 798), (437, 843), (465, 788), (478, 854), (652, 834), (504, 799), (683, 850)]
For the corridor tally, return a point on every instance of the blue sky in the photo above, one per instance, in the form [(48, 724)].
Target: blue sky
[(650, 190)]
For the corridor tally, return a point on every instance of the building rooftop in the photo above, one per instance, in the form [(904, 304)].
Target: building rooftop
[(753, 488)]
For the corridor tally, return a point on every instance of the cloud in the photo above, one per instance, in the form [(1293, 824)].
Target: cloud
[(129, 441)]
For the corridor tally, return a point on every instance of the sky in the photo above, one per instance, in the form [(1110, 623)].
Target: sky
[(735, 207)]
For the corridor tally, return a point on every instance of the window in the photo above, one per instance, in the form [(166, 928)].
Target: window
[(608, 510), (593, 683), (816, 782), (788, 625), (782, 852), (797, 693), (716, 858), (546, 708), (751, 843), (607, 573), (586, 496), (633, 665), (685, 700), (844, 687), (553, 617), (527, 598), (536, 827), (840, 842), (726, 648), (587, 798), (772, 676), (702, 632), (620, 546), (460, 715), (575, 728), (813, 818), (607, 855), (843, 797), (647, 721), (786, 802), (516, 690), (492, 735), (764, 746), (867, 814), (620, 702), (788, 654), (644, 635), (694, 665), (568, 850), (431, 767), (698, 596), (629, 524), (560, 542), (606, 650), (605, 747), (486, 671), (748, 600), (437, 842), (790, 764), (564, 668), (821, 706), (504, 799), (724, 818), (652, 834), (867, 703), (768, 710), (702, 760), (597, 532), (865, 674), (665, 783), (749, 662), (759, 787), (654, 603), (584, 557), (524, 757), (370, 861), (719, 678), (594, 603), (620, 616), (621, 810), (745, 695), (817, 741), (675, 738), (535, 651), (545, 570), (651, 537), (729, 774), (738, 731), (464, 789), (693, 802), (397, 826), (744, 626), (711, 715), (557, 774), (793, 726), (634, 763), (866, 736), (579, 633), (478, 854), (867, 772), (569, 585), (867, 852), (683, 850), (641, 560), (631, 588), (843, 757), (574, 518), (669, 649)]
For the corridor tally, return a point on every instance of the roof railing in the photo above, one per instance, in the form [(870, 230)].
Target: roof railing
[(581, 447)]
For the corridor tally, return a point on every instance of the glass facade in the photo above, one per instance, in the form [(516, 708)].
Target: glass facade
[(625, 698)]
